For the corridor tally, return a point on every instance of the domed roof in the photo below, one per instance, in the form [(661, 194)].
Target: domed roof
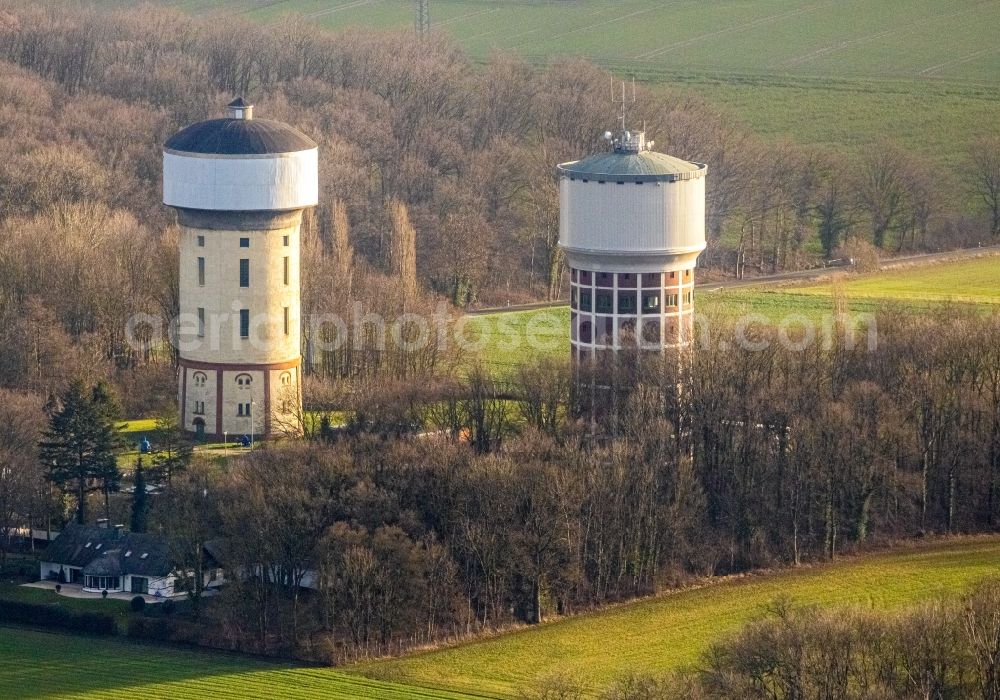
[(631, 166), (239, 137)]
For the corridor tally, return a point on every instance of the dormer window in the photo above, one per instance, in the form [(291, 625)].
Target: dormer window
[(128, 553), (144, 555), (97, 546), (87, 545)]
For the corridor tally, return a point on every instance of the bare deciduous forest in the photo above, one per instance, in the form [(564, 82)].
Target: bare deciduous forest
[(445, 507)]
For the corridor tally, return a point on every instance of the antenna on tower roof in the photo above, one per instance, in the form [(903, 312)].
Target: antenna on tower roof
[(623, 102)]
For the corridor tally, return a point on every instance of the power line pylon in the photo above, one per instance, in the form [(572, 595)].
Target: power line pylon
[(422, 20)]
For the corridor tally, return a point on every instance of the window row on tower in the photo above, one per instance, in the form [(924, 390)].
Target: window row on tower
[(631, 280), (628, 301), (244, 382), (244, 242), (609, 332), (245, 271), (245, 322), (631, 293)]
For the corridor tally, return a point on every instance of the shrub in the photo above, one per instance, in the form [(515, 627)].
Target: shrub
[(56, 617), (168, 606), (138, 604), (152, 628)]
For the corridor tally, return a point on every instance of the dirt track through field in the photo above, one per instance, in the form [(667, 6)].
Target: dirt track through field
[(730, 30), (832, 48), (598, 25)]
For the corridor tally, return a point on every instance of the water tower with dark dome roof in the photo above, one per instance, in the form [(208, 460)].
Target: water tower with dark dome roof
[(239, 186)]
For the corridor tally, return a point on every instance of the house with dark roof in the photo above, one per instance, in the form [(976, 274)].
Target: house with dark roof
[(103, 558)]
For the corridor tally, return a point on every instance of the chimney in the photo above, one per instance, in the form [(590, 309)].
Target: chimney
[(102, 522), (239, 109)]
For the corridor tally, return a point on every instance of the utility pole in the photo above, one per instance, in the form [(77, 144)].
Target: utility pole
[(422, 18)]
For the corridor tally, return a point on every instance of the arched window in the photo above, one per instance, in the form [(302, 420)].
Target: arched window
[(243, 380), (286, 379), (199, 379)]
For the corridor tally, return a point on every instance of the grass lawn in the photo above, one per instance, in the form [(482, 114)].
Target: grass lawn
[(671, 631), (47, 665), (118, 609)]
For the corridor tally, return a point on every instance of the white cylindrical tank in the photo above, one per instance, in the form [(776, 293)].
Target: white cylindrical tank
[(239, 186), (632, 224)]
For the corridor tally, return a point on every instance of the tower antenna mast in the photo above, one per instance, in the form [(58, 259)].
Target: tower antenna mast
[(623, 102)]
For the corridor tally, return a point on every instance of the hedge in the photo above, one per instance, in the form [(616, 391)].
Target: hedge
[(54, 616)]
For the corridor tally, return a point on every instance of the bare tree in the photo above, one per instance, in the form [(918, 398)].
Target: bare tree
[(985, 158), (403, 251)]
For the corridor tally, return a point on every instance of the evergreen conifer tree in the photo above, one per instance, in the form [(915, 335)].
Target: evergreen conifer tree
[(79, 445)]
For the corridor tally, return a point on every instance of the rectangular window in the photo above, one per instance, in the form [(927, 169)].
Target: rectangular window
[(687, 297), (650, 302), (626, 302), (671, 300), (585, 300), (572, 297), (244, 272), (244, 243), (286, 320), (604, 303), (201, 241), (285, 268), (199, 408), (239, 409), (284, 241), (244, 323), (201, 322), (201, 272)]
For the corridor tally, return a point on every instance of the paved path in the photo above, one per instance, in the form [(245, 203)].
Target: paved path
[(75, 590)]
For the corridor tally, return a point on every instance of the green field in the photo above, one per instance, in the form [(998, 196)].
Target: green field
[(671, 631), (45, 665), (972, 281), (924, 39), (838, 73), (506, 339), (657, 634)]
